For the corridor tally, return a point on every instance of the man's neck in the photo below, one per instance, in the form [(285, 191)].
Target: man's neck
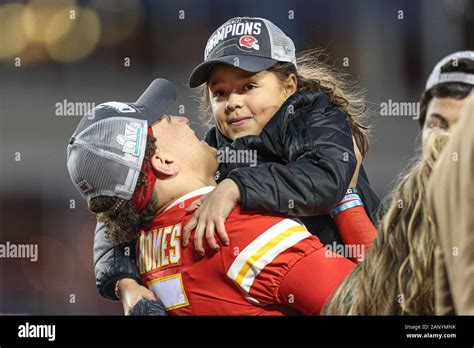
[(168, 193)]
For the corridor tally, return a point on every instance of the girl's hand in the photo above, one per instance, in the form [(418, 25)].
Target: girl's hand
[(210, 214)]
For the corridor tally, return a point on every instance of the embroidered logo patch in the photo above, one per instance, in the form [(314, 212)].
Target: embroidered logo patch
[(130, 141), (249, 41)]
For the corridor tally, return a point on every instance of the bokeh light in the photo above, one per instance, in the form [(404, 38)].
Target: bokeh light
[(37, 19), (81, 38), (12, 37)]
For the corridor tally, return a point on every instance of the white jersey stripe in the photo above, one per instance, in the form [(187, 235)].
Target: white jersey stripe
[(257, 243), (268, 257)]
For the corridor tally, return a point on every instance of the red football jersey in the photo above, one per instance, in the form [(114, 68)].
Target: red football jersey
[(264, 270)]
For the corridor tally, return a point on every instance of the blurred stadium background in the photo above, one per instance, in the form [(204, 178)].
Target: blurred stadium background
[(53, 51)]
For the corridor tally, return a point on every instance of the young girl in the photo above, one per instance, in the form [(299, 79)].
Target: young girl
[(294, 114)]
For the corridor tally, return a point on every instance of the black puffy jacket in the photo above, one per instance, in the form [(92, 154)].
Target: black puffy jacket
[(305, 162)]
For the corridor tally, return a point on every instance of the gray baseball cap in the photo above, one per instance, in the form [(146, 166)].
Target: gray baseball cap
[(252, 44), (437, 77), (105, 153)]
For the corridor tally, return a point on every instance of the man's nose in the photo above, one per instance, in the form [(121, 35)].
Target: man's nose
[(180, 119)]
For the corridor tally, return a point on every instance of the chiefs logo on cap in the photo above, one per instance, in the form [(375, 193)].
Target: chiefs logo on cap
[(249, 41)]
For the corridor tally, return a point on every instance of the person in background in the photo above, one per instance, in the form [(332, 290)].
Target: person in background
[(406, 246), (397, 275), (447, 88), (451, 193)]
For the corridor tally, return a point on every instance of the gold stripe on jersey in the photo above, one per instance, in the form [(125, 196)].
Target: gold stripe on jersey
[(263, 250)]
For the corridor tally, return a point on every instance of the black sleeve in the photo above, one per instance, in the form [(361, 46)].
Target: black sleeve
[(317, 145), (112, 263), (211, 137), (371, 201)]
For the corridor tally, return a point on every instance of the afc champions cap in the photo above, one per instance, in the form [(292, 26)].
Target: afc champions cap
[(438, 77), (105, 154), (249, 43)]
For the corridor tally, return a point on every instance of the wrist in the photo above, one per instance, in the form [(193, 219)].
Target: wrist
[(350, 200), (121, 285), (233, 189)]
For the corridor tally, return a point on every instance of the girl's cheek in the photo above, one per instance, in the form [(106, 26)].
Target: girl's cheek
[(218, 112), (221, 121), (267, 113)]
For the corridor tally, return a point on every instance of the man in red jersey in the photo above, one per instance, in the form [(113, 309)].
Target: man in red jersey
[(270, 261), (135, 181)]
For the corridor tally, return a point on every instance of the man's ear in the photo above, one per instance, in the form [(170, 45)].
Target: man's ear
[(164, 166)]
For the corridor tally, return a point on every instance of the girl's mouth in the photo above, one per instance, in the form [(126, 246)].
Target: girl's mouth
[(238, 121)]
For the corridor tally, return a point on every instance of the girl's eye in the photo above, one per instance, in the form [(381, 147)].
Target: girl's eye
[(218, 94), (249, 86)]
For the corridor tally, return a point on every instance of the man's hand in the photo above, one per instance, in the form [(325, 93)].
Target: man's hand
[(130, 292), (210, 214)]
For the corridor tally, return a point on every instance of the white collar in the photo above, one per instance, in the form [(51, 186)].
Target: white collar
[(199, 192)]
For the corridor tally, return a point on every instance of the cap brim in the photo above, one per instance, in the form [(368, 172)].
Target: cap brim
[(248, 63), (156, 99)]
